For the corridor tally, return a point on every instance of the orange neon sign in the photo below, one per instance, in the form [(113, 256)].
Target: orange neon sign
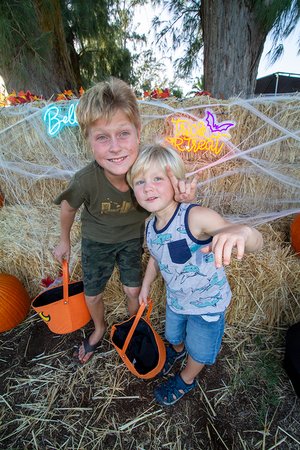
[(186, 134)]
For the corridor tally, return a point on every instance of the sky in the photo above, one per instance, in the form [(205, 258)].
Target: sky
[(289, 61)]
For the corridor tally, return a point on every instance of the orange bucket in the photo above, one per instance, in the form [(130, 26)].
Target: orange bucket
[(63, 308), (139, 345)]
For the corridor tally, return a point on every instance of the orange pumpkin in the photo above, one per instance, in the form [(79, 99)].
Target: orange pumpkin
[(14, 302), (295, 234)]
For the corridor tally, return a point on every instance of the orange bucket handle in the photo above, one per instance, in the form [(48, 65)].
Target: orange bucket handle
[(65, 271), (136, 321)]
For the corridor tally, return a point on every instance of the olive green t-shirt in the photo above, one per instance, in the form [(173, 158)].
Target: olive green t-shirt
[(109, 215)]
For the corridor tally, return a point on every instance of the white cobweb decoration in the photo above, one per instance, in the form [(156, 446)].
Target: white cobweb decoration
[(257, 181)]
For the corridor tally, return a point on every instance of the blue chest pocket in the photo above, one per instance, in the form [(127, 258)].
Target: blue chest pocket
[(179, 251)]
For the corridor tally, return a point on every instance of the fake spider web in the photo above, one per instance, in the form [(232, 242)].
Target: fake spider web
[(257, 180)]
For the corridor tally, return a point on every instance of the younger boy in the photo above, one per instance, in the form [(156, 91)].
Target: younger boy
[(188, 244), (112, 220)]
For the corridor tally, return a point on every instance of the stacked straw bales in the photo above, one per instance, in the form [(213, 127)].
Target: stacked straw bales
[(34, 168)]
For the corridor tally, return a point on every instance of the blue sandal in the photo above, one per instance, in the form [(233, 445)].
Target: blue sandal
[(171, 357), (172, 390)]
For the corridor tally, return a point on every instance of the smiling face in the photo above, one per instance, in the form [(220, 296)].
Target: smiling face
[(114, 144), (153, 190)]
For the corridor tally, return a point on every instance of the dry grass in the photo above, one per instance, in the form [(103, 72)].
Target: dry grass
[(47, 401)]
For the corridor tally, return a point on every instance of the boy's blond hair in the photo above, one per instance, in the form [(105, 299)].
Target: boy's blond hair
[(156, 154), (103, 100)]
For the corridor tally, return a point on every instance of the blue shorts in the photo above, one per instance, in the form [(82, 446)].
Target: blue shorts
[(201, 335)]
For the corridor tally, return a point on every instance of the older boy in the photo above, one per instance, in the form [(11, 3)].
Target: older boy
[(112, 220)]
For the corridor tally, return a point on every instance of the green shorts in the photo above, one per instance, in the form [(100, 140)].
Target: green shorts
[(98, 262)]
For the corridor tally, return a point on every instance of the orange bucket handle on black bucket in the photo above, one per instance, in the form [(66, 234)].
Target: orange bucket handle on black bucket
[(136, 321), (139, 345)]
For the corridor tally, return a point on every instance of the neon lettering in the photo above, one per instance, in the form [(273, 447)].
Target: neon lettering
[(193, 136), (56, 117)]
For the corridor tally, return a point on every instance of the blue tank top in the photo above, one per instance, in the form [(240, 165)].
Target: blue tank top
[(193, 284)]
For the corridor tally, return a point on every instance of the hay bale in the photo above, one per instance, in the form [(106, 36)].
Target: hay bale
[(263, 172), (34, 167), (266, 285), (262, 175), (28, 235)]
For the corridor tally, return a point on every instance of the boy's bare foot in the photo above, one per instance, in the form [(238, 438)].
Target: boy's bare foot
[(89, 346)]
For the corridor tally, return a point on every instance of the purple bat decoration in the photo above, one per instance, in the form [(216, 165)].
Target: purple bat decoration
[(214, 126)]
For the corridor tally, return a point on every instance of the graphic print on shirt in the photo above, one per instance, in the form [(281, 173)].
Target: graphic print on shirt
[(182, 230), (194, 248), (207, 301), (208, 258), (164, 268), (108, 206), (175, 304), (161, 239), (189, 270), (213, 281)]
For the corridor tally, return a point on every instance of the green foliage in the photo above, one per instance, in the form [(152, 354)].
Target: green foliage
[(280, 16), (176, 91), (198, 86), (184, 27), (95, 33), (99, 31), (19, 39), (148, 72)]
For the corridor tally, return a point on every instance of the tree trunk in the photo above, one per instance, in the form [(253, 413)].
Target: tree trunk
[(49, 71), (233, 45), (60, 66)]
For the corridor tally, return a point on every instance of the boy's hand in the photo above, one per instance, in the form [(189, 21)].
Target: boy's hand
[(223, 244), (184, 190), (143, 296), (62, 251)]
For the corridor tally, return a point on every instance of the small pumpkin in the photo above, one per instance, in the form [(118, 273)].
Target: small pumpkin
[(14, 302), (295, 234)]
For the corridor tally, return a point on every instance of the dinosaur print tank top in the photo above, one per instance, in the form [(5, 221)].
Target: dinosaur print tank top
[(193, 284)]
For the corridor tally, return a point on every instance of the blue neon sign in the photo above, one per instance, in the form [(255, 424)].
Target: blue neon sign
[(57, 116)]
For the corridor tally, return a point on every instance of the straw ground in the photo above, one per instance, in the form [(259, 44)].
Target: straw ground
[(48, 401)]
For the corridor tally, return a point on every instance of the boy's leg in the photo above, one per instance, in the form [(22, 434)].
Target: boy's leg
[(176, 387), (98, 262), (191, 370), (129, 260), (175, 330), (96, 308), (132, 299), (203, 340)]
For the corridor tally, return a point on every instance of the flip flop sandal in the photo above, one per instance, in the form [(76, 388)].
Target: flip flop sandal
[(172, 390), (171, 357), (88, 348)]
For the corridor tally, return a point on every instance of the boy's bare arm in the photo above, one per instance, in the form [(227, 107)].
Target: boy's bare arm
[(227, 237), (150, 275), (242, 238), (67, 216)]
